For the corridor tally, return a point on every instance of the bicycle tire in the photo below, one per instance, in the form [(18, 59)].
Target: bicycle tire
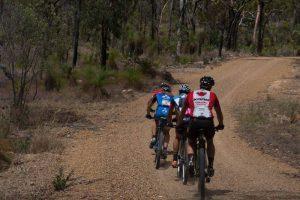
[(185, 165), (159, 149), (179, 168), (201, 182), (180, 160)]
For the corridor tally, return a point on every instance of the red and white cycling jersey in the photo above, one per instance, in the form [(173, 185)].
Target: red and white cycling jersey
[(201, 103)]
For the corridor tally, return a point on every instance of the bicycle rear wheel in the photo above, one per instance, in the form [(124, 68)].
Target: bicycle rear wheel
[(201, 182), (159, 149), (179, 167), (180, 160), (185, 164)]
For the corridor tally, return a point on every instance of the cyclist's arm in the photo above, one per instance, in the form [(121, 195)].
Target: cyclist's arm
[(218, 110), (150, 104)]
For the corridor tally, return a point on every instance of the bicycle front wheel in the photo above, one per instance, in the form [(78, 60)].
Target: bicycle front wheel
[(159, 150)]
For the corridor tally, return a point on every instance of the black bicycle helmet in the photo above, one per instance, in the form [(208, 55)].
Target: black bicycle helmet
[(206, 82), (184, 88), (165, 87)]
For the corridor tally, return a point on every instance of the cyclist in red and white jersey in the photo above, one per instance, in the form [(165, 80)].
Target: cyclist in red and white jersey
[(202, 102)]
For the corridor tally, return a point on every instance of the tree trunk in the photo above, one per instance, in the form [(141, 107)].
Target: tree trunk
[(76, 32), (153, 18), (170, 19), (296, 12), (221, 41), (233, 28), (179, 31), (256, 24), (104, 37), (260, 38), (229, 28), (1, 6)]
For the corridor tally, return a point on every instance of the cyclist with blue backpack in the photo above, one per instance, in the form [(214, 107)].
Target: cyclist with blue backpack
[(165, 102)]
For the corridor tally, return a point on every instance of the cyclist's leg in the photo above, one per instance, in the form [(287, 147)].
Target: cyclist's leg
[(210, 151), (167, 139), (190, 151), (153, 135), (167, 136), (176, 147), (192, 137), (210, 148)]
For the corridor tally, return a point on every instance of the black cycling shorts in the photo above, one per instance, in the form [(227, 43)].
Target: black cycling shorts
[(183, 127), (203, 123)]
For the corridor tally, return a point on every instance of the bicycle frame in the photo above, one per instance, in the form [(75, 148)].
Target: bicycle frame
[(201, 144), (159, 140)]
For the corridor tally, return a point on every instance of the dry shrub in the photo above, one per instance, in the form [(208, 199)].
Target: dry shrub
[(5, 161), (5, 125), (43, 141), (44, 115), (268, 125)]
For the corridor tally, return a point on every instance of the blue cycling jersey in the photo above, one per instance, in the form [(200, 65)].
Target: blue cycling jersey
[(164, 102)]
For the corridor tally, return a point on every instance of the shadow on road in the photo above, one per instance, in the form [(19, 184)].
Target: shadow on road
[(213, 193), (257, 195)]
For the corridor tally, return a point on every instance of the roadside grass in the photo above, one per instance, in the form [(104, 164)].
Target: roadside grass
[(185, 59), (5, 125), (269, 126), (60, 182), (45, 141), (35, 136)]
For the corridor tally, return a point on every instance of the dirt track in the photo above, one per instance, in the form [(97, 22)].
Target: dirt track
[(116, 163)]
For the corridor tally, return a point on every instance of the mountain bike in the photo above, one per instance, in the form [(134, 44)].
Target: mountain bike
[(183, 165), (201, 162), (160, 138)]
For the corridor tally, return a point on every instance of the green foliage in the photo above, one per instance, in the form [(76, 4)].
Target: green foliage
[(57, 74), (147, 67), (21, 145), (113, 57), (94, 76), (55, 80), (133, 77), (185, 59), (21, 33), (60, 182), (89, 59)]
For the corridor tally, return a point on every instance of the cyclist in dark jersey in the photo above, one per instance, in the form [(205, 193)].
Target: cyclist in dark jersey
[(201, 102)]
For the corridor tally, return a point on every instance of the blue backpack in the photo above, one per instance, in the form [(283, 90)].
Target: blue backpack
[(164, 102)]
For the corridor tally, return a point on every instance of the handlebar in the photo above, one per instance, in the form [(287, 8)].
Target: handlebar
[(173, 124)]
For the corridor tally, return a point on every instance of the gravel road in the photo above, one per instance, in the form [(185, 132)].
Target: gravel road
[(116, 163)]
